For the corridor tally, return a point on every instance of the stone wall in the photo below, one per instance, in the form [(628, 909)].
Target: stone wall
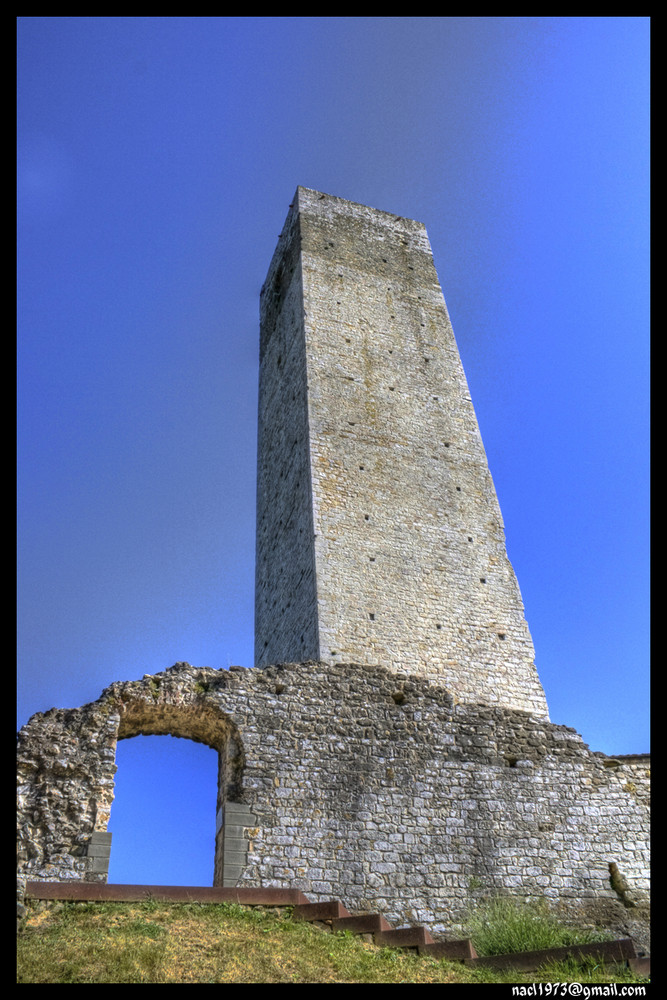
[(363, 786), (379, 535)]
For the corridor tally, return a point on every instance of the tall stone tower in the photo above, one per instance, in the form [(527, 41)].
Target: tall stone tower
[(379, 535)]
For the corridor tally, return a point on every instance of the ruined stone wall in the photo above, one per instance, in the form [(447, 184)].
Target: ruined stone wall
[(359, 785), (65, 774), (379, 535)]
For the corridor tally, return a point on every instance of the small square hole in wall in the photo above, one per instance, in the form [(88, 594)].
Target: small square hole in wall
[(372, 616)]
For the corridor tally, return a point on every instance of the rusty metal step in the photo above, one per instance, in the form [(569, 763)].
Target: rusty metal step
[(362, 923), (606, 952), (404, 937), (98, 891), (457, 951), (331, 909)]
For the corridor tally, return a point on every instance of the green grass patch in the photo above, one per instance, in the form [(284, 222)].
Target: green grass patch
[(503, 925)]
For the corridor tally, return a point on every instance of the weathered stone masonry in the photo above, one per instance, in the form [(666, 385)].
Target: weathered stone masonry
[(357, 785), (405, 761), (379, 535)]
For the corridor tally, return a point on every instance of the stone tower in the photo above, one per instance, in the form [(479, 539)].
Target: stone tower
[(379, 535)]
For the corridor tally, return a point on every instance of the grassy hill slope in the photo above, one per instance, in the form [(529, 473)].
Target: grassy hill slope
[(225, 943)]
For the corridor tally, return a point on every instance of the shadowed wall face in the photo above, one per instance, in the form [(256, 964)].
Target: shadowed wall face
[(379, 539)]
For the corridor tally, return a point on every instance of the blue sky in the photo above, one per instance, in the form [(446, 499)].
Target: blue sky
[(157, 158)]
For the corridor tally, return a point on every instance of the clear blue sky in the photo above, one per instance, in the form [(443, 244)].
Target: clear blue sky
[(157, 158)]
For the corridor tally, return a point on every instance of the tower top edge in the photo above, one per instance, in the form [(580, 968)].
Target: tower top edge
[(327, 210), (306, 199)]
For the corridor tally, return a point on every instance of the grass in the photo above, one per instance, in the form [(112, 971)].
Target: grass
[(502, 926), (193, 943)]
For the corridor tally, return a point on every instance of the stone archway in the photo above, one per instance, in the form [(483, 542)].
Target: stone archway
[(67, 763), (203, 723), (162, 822)]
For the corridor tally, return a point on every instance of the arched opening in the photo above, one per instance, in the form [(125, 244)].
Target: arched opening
[(178, 795), (163, 815)]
